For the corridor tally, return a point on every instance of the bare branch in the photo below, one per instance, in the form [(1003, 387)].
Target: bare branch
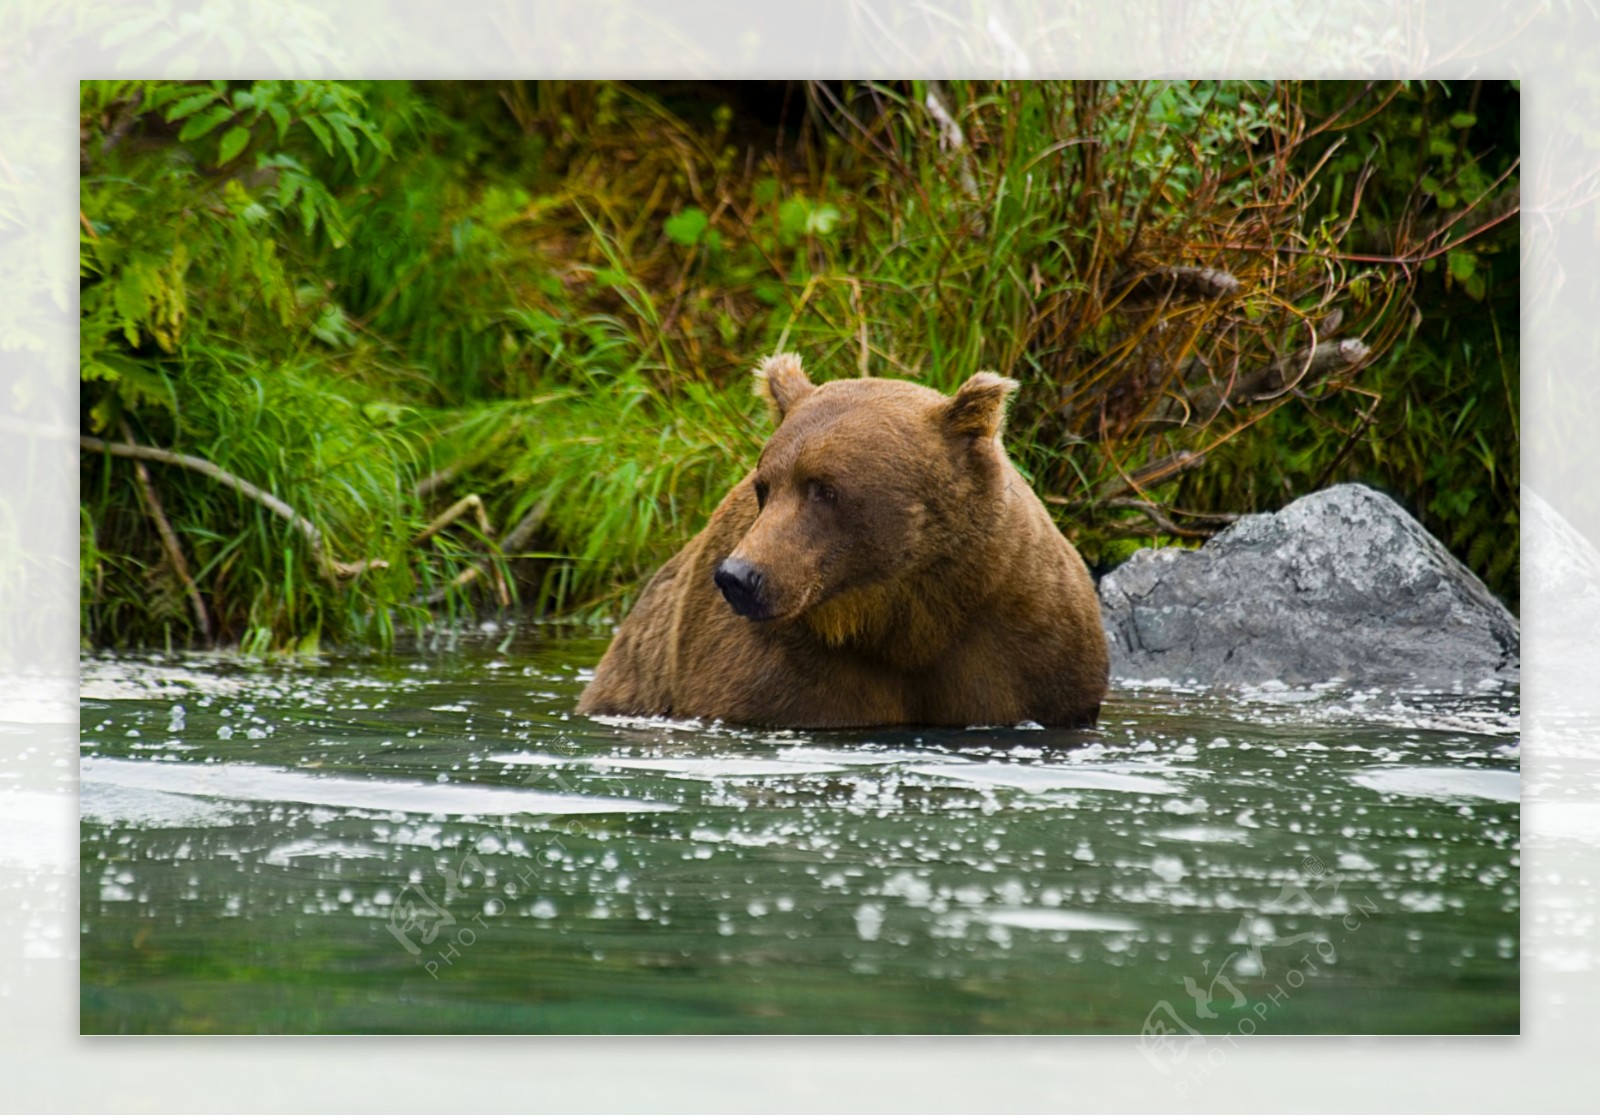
[(456, 510), (514, 540), (1302, 367), (169, 542), (1159, 516), (330, 568), (1157, 471), (1174, 284)]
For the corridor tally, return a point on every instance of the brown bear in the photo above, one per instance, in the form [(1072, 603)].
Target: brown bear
[(885, 564)]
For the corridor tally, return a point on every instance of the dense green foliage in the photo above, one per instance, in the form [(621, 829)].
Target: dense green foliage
[(370, 300)]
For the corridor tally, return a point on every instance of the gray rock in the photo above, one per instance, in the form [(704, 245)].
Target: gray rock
[(1341, 584)]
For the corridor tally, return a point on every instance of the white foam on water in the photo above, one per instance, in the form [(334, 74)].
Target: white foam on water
[(322, 849), (835, 757), (253, 783), (1441, 782), (1205, 834), (1278, 693), (1036, 918), (662, 724), (103, 803), (1026, 777), (715, 767), (685, 767), (869, 921), (135, 680), (529, 759)]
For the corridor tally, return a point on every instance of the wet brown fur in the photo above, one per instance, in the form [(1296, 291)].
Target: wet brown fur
[(932, 589)]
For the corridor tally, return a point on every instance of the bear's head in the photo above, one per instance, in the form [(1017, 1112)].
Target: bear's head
[(875, 499)]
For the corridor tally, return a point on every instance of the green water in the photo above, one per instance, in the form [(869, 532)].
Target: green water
[(432, 842)]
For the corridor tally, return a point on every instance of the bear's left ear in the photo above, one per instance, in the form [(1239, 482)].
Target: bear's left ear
[(782, 381), (978, 408)]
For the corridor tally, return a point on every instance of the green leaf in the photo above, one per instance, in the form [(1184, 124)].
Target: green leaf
[(1463, 120), (233, 142), (332, 328), (96, 370), (191, 105), (383, 413), (101, 413), (821, 220), (320, 130), (205, 122), (289, 188), (280, 116), (347, 139), (1462, 265), (685, 228), (792, 217)]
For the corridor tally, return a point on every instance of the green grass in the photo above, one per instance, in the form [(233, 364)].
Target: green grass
[(373, 299)]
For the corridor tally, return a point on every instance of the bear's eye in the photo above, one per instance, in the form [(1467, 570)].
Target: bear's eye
[(822, 492), (761, 494)]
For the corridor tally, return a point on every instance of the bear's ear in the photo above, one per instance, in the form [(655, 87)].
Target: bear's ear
[(782, 381), (978, 408)]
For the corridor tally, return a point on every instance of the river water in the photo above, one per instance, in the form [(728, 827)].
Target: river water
[(433, 842)]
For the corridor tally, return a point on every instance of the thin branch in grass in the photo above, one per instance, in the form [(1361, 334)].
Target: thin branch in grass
[(454, 512), (861, 327), (1301, 368), (1174, 284), (1428, 233), (1156, 514), (1497, 213), (169, 542), (1163, 469), (952, 138), (119, 128), (1363, 421), (517, 538), (514, 540), (330, 568), (474, 504)]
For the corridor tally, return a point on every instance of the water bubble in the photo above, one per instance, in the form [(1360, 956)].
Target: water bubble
[(869, 921)]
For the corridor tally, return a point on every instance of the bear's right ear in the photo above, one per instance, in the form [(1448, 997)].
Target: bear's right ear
[(978, 408), (782, 381)]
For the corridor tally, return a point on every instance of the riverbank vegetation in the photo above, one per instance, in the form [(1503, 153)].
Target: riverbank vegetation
[(356, 356)]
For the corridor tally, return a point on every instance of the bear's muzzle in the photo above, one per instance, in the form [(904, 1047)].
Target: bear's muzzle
[(741, 582)]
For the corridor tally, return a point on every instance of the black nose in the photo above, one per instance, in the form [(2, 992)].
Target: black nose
[(740, 583)]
